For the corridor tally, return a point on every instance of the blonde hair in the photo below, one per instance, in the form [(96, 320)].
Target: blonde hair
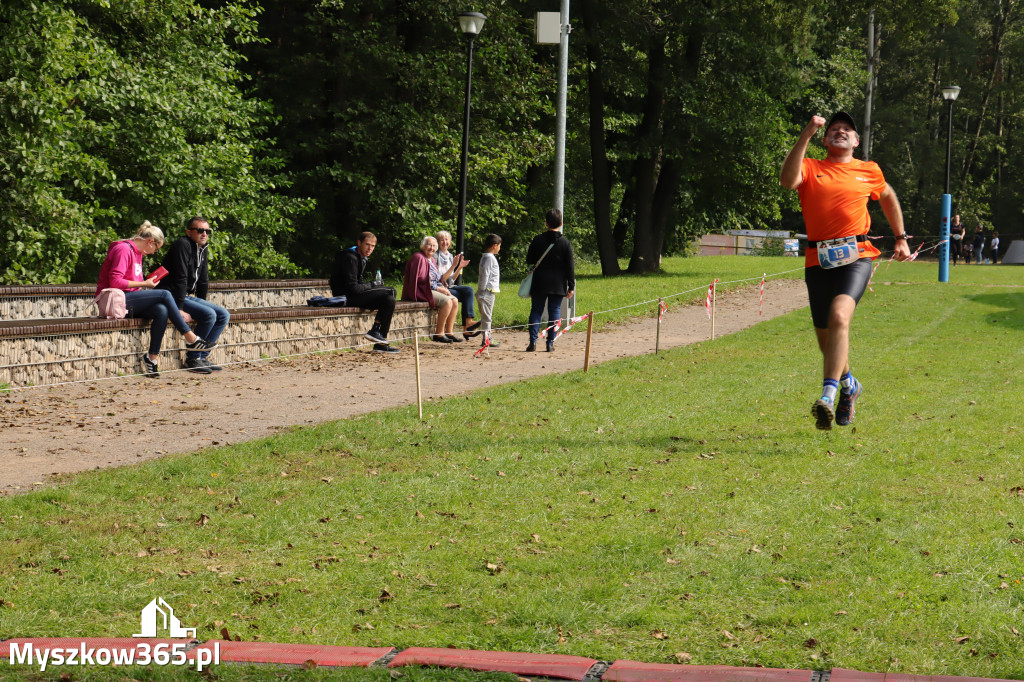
[(443, 233), (148, 230)]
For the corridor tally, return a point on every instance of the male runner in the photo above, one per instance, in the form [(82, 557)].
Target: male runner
[(834, 197)]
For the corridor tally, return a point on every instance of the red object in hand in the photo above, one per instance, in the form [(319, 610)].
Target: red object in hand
[(159, 273)]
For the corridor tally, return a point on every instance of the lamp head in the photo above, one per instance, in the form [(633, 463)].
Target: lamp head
[(471, 24), (950, 92)]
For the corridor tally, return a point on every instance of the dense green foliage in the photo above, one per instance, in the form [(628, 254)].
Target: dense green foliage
[(116, 112), (296, 124)]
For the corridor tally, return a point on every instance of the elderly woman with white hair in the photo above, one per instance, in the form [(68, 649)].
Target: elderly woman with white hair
[(450, 267), (122, 269), (422, 282)]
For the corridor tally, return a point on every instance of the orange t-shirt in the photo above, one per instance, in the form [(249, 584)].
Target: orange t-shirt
[(834, 198)]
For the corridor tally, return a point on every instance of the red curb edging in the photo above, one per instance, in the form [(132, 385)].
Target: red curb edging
[(538, 665), (634, 671), (843, 675), (544, 665), (293, 654)]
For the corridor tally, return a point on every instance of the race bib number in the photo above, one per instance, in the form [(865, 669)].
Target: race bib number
[(833, 253)]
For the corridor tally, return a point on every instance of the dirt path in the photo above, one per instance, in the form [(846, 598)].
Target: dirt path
[(48, 432)]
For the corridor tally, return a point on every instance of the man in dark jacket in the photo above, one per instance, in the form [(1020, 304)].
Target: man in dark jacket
[(554, 277), (348, 280), (188, 279)]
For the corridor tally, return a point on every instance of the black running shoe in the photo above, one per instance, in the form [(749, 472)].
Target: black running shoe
[(823, 413), (197, 366), (375, 336), (149, 367), (201, 344), (385, 348)]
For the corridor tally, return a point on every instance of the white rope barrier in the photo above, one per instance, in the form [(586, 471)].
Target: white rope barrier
[(406, 338)]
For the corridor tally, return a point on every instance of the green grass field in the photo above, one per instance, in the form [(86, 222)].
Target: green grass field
[(658, 505)]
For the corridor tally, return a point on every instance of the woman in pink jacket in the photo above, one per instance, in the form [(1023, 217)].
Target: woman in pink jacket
[(422, 282), (122, 269)]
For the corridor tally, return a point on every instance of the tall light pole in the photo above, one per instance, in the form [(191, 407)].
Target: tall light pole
[(471, 24), (949, 93)]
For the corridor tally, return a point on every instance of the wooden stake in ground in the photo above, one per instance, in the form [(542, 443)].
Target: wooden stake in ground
[(714, 295), (657, 334), (419, 387), (590, 335)]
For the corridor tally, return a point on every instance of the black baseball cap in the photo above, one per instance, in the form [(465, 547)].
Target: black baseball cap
[(845, 118)]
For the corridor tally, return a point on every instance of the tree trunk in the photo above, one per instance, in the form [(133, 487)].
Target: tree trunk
[(646, 253), (600, 170)]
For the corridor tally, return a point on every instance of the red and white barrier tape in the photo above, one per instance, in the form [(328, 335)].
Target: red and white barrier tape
[(711, 293), (870, 288), (555, 327), (760, 302), (487, 344), (573, 321), (662, 309)]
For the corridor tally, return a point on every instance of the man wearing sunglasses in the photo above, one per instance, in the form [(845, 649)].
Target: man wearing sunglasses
[(188, 279)]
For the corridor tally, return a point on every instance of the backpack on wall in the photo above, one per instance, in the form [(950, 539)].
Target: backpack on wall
[(111, 305)]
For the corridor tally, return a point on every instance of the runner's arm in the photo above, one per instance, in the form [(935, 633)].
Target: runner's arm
[(791, 175)]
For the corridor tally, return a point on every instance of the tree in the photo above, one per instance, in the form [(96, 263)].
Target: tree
[(112, 113)]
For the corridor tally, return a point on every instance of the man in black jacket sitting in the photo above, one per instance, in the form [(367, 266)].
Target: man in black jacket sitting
[(188, 279), (347, 280)]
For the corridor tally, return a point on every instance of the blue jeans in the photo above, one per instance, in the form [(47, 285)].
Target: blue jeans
[(159, 305), (554, 302), (210, 319), (465, 295)]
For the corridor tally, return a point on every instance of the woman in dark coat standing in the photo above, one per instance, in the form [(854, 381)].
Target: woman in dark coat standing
[(553, 279)]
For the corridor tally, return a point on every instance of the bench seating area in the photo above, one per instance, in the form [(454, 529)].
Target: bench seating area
[(47, 336)]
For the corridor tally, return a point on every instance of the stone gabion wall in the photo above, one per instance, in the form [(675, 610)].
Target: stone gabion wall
[(38, 361), (49, 307)]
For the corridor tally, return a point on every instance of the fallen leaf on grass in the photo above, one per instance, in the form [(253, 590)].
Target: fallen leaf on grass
[(683, 656), (658, 634), (494, 569), (961, 640), (385, 596), (202, 520)]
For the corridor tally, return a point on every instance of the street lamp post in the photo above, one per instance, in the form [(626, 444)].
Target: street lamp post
[(949, 94), (471, 24)]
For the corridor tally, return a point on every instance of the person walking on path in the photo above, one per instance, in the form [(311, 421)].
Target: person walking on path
[(834, 195), (956, 238), (979, 243), (553, 279), (188, 279), (348, 280)]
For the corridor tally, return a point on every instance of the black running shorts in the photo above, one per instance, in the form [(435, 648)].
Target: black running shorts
[(824, 285)]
